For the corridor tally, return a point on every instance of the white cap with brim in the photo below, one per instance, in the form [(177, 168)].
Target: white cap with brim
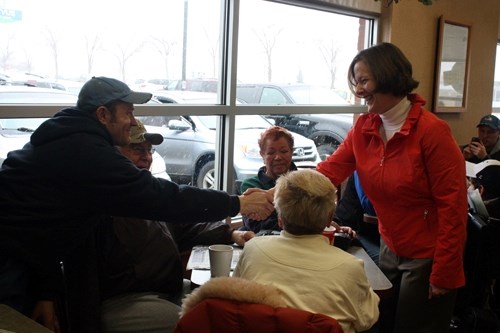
[(472, 169), (139, 134), (99, 91)]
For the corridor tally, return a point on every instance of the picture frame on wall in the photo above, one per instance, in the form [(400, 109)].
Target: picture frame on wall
[(452, 66)]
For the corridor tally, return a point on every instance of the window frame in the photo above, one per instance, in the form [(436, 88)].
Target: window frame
[(227, 109), (496, 91)]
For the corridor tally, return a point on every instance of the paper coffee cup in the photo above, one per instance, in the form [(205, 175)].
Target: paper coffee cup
[(329, 232), (220, 259)]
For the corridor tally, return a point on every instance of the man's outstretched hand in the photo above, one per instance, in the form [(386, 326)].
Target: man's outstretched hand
[(257, 204)]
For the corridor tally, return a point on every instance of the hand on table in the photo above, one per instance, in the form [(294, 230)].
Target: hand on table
[(344, 230), (241, 237)]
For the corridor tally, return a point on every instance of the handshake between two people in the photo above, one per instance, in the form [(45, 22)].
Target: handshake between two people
[(257, 203)]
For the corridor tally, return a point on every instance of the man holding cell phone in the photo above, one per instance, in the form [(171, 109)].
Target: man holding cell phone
[(487, 144)]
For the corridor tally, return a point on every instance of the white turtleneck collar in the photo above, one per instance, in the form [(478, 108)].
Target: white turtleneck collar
[(394, 118)]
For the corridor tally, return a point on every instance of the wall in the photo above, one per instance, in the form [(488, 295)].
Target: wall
[(413, 27)]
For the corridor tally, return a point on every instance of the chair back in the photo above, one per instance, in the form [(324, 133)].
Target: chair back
[(215, 315), (228, 304)]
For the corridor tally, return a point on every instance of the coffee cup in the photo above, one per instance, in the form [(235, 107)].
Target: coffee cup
[(220, 259), (329, 232)]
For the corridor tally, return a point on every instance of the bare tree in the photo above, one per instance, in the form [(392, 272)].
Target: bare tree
[(329, 51), (92, 45), (267, 39), (6, 52), (53, 43), (123, 53), (213, 49), (29, 61), (300, 76), (164, 47)]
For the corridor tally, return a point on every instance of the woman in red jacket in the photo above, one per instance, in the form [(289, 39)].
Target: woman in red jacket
[(414, 174)]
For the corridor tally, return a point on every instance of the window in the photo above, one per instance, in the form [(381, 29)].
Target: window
[(287, 45), (272, 96), (295, 56), (45, 42), (285, 64), (496, 84)]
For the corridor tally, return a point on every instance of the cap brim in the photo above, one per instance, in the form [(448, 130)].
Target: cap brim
[(472, 169), (153, 138), (137, 97), (489, 125)]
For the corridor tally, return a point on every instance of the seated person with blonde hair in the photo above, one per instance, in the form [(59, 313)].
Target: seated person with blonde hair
[(311, 274)]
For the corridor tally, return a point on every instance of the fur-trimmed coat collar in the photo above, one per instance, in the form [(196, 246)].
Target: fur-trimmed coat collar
[(236, 289)]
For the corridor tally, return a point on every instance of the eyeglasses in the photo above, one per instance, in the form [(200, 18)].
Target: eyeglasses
[(138, 150)]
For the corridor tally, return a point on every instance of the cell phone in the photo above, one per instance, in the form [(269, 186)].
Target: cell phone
[(475, 139)]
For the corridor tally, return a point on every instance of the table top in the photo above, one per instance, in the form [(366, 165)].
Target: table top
[(378, 281)]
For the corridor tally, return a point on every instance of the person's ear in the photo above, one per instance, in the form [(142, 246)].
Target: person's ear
[(102, 114), (481, 189)]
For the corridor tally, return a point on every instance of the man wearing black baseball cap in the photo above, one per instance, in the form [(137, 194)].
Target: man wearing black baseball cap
[(70, 176), (487, 144)]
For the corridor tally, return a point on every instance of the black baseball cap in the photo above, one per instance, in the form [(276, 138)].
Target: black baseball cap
[(102, 90), (490, 121)]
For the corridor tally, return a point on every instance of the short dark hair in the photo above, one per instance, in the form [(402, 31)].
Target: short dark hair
[(274, 133), (111, 106), (391, 70)]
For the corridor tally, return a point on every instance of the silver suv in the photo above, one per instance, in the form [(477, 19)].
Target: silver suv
[(189, 143), (326, 130)]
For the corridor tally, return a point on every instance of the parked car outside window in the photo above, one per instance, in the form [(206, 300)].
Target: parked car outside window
[(33, 80), (149, 85), (26, 94), (326, 130), (203, 85), (189, 142)]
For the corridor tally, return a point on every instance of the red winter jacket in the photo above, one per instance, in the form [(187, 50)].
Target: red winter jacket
[(417, 185), (216, 315), (234, 305)]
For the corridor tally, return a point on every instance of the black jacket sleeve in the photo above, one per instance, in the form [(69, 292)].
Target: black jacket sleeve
[(189, 235), (349, 211)]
